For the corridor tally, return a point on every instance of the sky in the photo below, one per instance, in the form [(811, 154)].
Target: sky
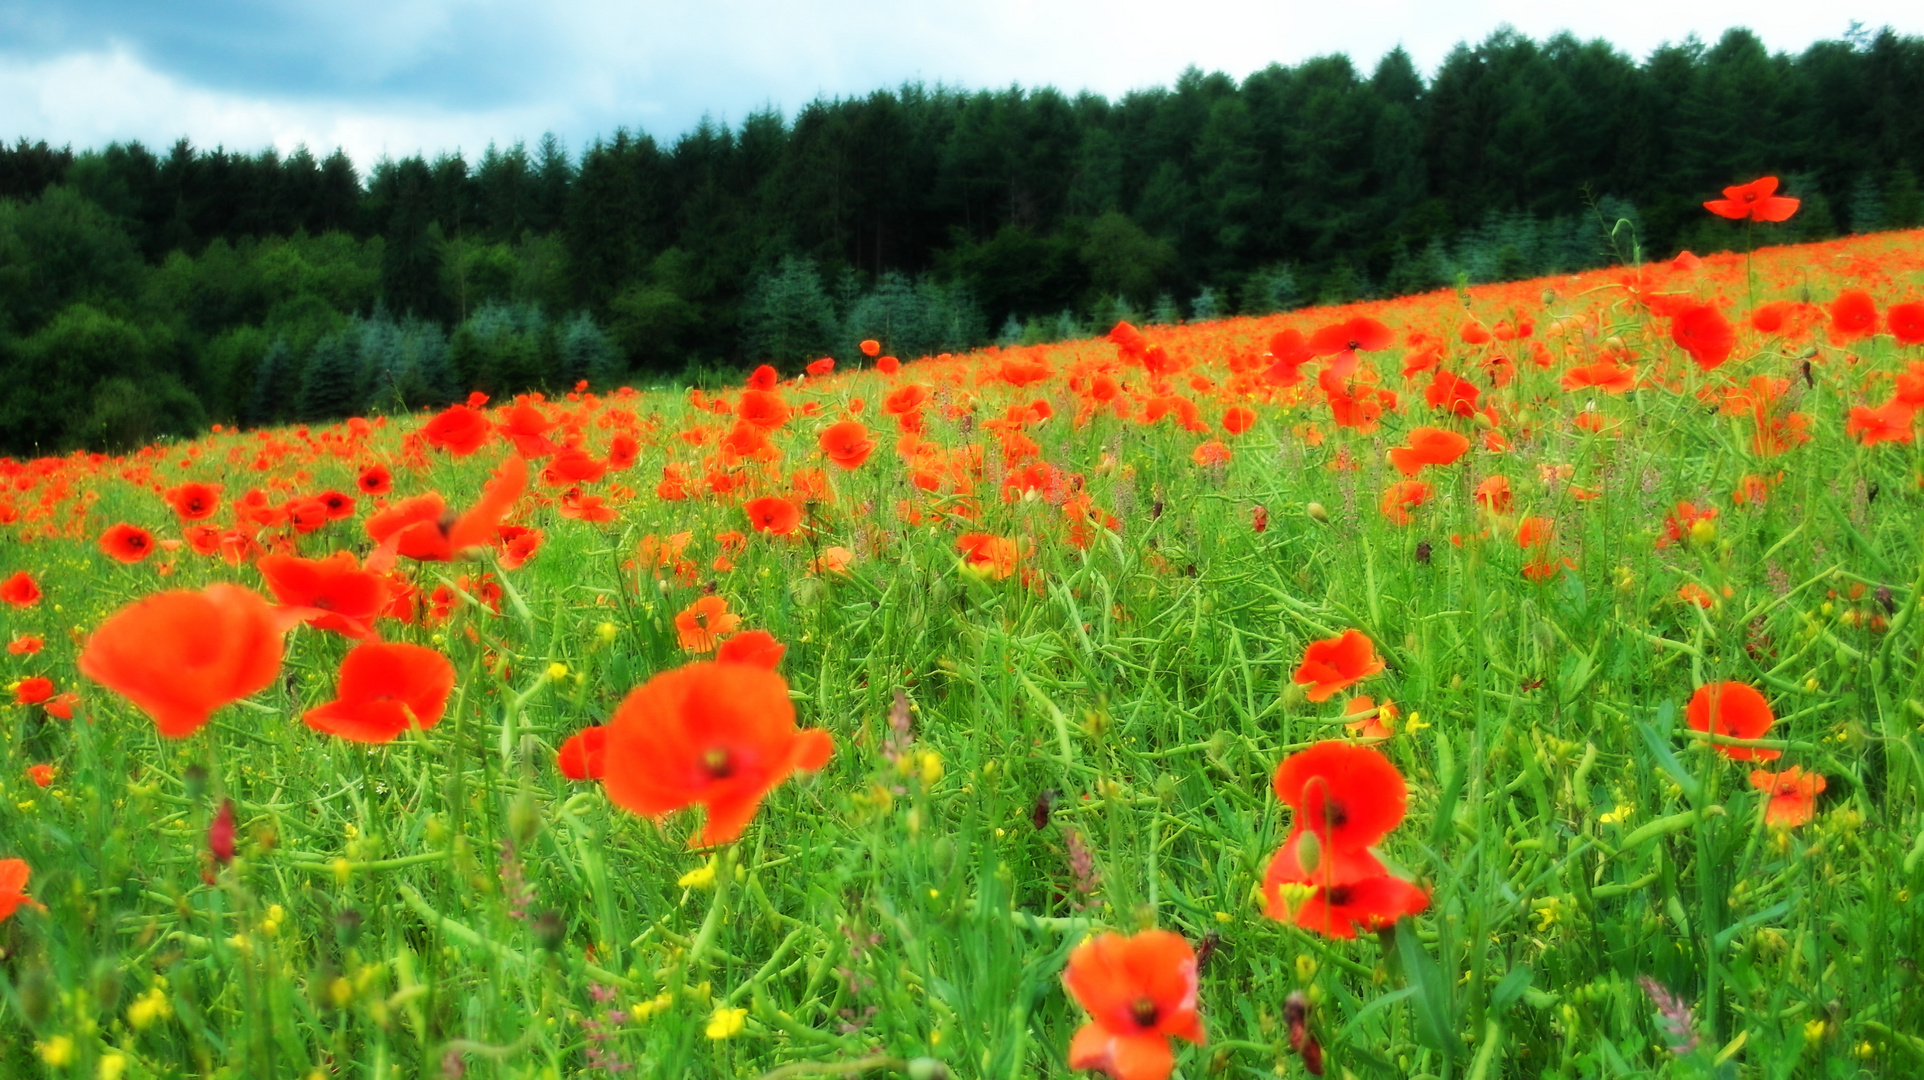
[(396, 77)]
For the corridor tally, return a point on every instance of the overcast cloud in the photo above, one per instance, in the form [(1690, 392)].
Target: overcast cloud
[(393, 78)]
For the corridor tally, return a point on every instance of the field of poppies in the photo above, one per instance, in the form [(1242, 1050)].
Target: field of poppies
[(1517, 681)]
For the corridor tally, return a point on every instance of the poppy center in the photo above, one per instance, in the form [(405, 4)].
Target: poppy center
[(1336, 895), (1354, 345), (1144, 1011), (717, 765)]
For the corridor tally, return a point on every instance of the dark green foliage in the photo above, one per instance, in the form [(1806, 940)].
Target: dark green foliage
[(924, 216), (333, 384)]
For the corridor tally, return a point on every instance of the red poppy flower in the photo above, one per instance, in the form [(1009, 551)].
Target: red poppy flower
[(1339, 893), (1428, 446), (1140, 991), (847, 444), (459, 430), (1755, 201), (1605, 375), (1400, 497), (1348, 795), (334, 593), (763, 408), (1906, 323), (338, 505), (193, 501), (25, 645), (1703, 332), (1238, 419), (20, 590), (517, 544), (1493, 494), (1344, 340), (757, 647), (1451, 393), (763, 378), (871, 347), (1735, 710), (60, 706), (13, 886), (375, 480), (33, 690), (181, 655), (1210, 453), (585, 755), (623, 450), (983, 553), (1853, 315), (581, 506), (888, 365), (1889, 422), (823, 366), (383, 691), (1793, 795), (126, 543), (702, 625), (773, 514), (1337, 663), (1287, 353), (41, 775), (717, 735), (527, 428), (422, 528)]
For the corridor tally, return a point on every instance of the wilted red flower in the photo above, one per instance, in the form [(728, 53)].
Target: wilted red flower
[(181, 655), (194, 501), (847, 444), (1337, 663), (334, 593), (702, 625), (1853, 315), (459, 430), (1793, 795), (13, 886), (585, 755), (126, 543), (717, 735), (220, 833), (1703, 332), (1677, 526), (1755, 201), (20, 589), (1428, 446), (1139, 991), (773, 514), (423, 528), (33, 690), (384, 690), (757, 647), (1734, 710)]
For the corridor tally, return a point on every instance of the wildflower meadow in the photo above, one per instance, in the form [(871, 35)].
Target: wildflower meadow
[(1519, 680)]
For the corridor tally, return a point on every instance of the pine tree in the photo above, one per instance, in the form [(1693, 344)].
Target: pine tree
[(332, 387), (275, 380)]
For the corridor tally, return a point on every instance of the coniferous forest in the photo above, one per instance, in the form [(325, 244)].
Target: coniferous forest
[(146, 292)]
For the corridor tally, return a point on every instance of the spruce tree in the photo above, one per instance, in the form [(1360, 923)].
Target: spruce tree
[(331, 387)]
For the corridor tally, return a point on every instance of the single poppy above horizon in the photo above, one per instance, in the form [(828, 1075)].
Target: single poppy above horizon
[(1755, 201)]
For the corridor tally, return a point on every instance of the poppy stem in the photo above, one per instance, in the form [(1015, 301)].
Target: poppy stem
[(710, 926)]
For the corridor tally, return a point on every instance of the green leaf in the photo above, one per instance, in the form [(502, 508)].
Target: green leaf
[(1511, 987), (1435, 1012)]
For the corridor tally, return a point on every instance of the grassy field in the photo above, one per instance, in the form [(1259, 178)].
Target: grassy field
[(1095, 687)]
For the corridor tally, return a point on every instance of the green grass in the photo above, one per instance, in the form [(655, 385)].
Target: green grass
[(1574, 835)]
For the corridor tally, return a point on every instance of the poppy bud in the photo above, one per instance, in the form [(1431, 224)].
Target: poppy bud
[(1317, 513), (1044, 805), (924, 1068), (220, 834), (1309, 852)]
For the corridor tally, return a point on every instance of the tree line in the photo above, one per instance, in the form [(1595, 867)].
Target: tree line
[(143, 294)]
